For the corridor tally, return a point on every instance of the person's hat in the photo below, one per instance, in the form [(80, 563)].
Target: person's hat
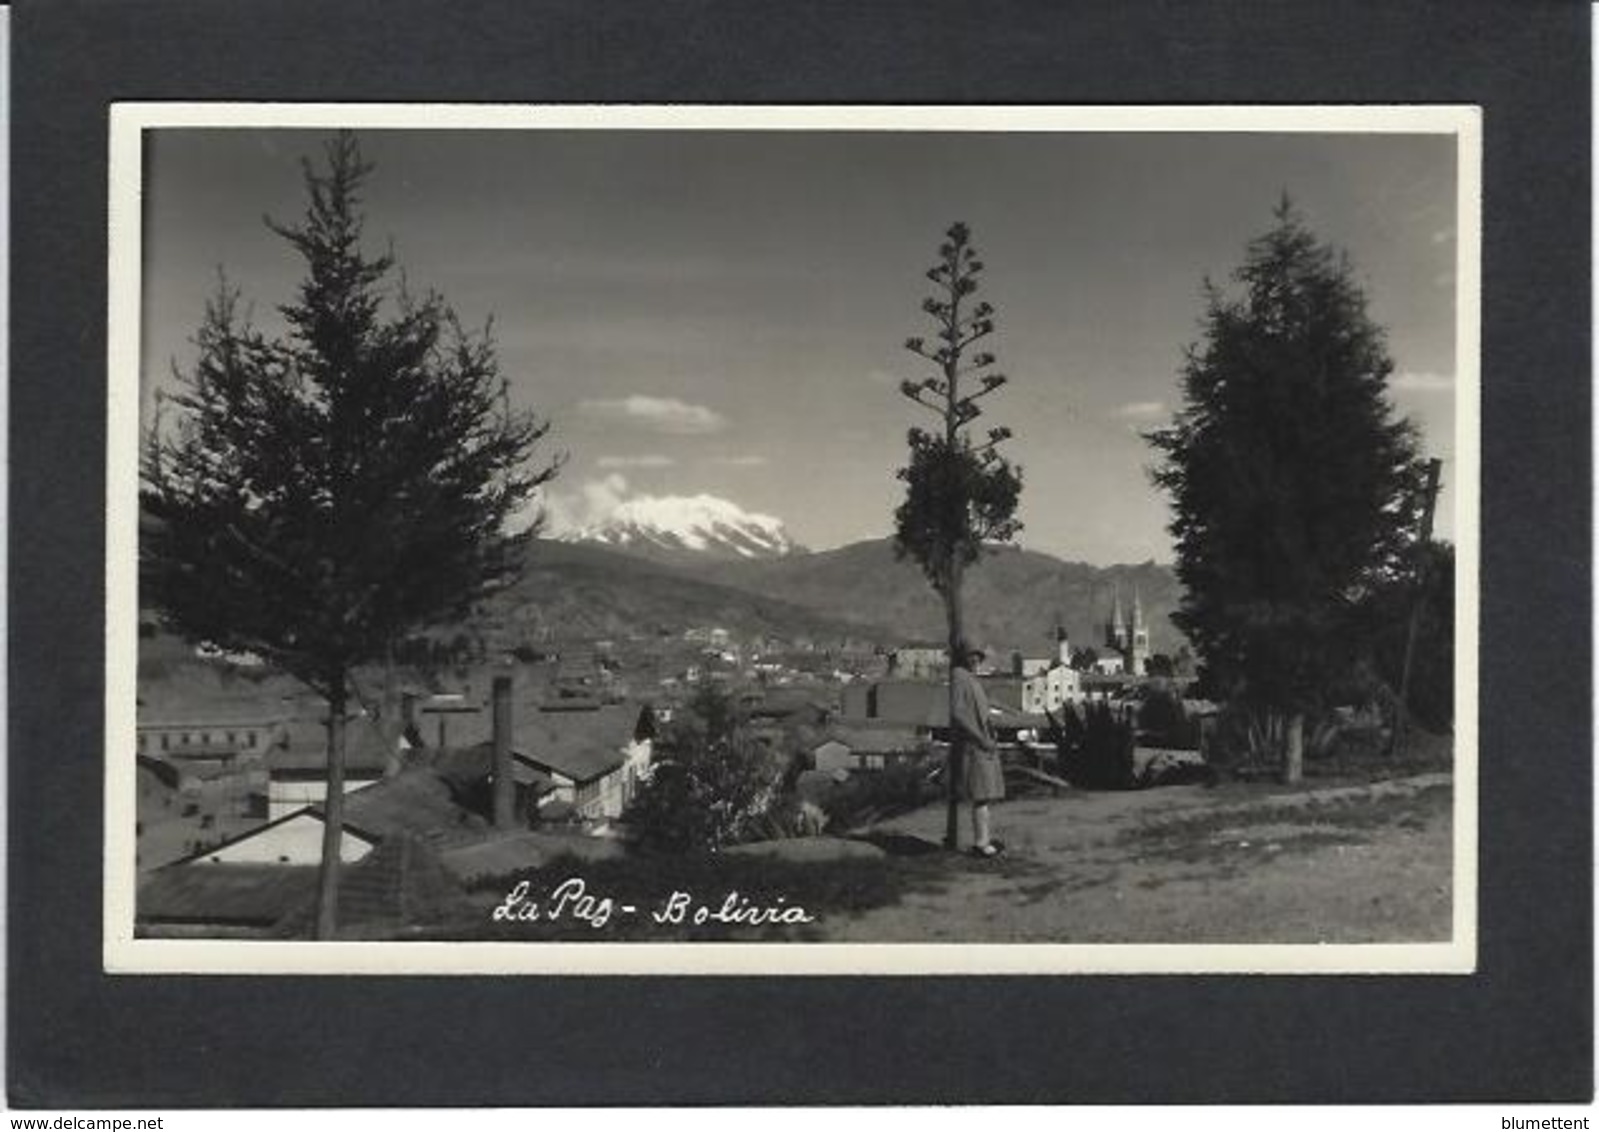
[(966, 651)]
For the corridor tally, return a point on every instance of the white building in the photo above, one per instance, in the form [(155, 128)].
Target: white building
[(1046, 690)]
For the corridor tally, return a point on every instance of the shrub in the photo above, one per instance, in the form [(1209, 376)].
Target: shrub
[(1095, 749), (873, 795), (712, 783)]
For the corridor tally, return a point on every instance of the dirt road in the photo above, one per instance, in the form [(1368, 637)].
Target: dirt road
[(1346, 864)]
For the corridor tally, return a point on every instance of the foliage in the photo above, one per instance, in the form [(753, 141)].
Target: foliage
[(1162, 717), (322, 494), (1386, 615), (1094, 747), (959, 495), (1292, 485), (869, 796), (956, 499), (712, 782)]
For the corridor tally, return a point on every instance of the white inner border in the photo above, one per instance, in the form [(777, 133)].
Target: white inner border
[(124, 954)]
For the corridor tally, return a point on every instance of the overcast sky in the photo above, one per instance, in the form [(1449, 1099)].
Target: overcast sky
[(725, 312)]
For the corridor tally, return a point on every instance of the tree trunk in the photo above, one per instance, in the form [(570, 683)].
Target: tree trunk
[(390, 723), (1294, 748), (327, 896), (955, 763)]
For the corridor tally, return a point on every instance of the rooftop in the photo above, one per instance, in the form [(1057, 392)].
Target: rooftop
[(302, 745), (241, 895), (871, 739), (417, 800)]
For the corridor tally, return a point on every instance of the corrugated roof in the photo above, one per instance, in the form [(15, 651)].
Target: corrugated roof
[(242, 895), (417, 800), (1004, 692), (302, 745), (224, 715), (919, 703), (1017, 720), (875, 740), (465, 768), (582, 745)]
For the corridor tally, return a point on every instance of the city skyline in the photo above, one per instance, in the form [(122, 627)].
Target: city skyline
[(723, 313)]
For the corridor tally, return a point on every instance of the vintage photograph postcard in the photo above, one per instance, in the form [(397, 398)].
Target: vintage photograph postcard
[(806, 540)]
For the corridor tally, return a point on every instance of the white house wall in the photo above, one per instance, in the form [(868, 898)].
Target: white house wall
[(283, 798), (297, 841)]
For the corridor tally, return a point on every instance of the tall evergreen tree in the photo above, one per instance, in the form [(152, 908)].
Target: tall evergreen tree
[(1292, 484), (958, 495), (321, 493)]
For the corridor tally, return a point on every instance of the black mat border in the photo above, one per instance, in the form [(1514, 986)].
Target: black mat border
[(1520, 1029)]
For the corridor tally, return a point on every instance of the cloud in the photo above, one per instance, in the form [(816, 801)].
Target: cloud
[(655, 414), (602, 496), (1139, 410), (740, 461), (649, 460), (1412, 381), (567, 512)]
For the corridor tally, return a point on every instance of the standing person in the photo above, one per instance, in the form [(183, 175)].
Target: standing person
[(975, 754)]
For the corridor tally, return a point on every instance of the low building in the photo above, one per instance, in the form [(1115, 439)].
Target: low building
[(1049, 688), (231, 901), (595, 758), (400, 885), (1110, 664), (205, 745), (919, 660), (297, 762), (857, 749), (425, 800), (901, 703), (1103, 687), (798, 707)]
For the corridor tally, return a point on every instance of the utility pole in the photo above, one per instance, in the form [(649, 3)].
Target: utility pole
[(1428, 506)]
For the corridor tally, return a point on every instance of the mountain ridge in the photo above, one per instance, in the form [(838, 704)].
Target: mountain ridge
[(1014, 597), (685, 529)]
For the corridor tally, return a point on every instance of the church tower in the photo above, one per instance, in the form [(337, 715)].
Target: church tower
[(1063, 647), (1138, 646), (1116, 627)]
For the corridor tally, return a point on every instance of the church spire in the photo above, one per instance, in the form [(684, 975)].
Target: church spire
[(1116, 627)]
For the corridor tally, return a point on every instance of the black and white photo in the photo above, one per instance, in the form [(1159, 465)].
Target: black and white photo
[(791, 541)]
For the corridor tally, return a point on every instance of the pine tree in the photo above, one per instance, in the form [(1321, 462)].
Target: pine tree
[(322, 493), (959, 496), (1292, 483)]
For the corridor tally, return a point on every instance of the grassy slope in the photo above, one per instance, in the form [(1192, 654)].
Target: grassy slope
[(1356, 862)]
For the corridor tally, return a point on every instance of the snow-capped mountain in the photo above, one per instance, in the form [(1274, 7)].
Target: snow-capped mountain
[(680, 528)]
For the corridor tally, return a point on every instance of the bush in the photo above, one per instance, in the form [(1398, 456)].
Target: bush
[(873, 795), (1095, 750), (1163, 719), (712, 783)]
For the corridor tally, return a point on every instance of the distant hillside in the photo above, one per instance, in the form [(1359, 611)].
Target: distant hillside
[(1013, 597), (573, 590), (1013, 600)]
